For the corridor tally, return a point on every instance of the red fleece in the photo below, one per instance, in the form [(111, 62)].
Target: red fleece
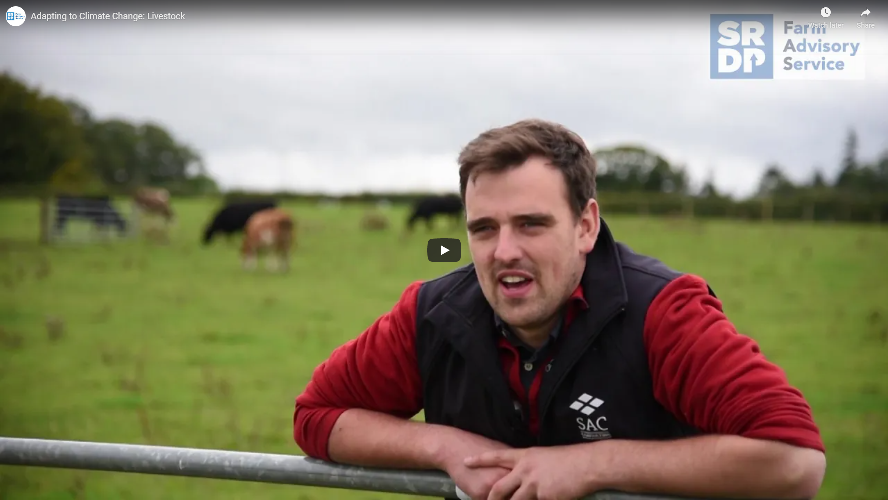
[(704, 372)]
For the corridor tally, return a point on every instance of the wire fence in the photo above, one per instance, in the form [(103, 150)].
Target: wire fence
[(86, 219)]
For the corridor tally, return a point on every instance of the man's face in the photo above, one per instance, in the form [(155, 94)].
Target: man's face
[(529, 251)]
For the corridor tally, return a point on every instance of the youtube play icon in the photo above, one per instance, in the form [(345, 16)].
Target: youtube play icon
[(444, 250)]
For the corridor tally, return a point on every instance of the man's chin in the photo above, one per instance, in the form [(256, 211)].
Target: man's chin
[(515, 315)]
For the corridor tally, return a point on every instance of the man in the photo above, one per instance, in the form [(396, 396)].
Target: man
[(560, 362)]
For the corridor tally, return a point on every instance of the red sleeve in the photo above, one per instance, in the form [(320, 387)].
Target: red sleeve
[(716, 379), (376, 371)]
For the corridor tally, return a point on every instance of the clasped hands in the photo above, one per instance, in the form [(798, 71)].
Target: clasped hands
[(538, 473)]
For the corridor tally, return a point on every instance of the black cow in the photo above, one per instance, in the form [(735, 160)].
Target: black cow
[(233, 217), (430, 206), (97, 209)]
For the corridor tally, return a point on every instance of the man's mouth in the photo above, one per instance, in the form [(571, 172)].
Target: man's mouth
[(515, 285), (513, 281)]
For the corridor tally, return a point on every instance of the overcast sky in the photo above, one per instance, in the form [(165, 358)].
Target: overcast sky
[(321, 102)]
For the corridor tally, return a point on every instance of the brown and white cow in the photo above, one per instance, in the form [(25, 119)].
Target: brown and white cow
[(155, 201), (272, 230)]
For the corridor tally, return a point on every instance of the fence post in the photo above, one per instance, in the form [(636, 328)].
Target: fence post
[(809, 212), (768, 209), (688, 207), (44, 220), (135, 220)]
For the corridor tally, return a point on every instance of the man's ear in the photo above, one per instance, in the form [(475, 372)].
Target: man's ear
[(589, 226)]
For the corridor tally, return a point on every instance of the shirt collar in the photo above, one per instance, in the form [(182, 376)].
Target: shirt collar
[(575, 303)]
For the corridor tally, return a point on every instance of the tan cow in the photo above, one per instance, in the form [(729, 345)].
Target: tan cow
[(273, 230), (155, 201), (374, 221)]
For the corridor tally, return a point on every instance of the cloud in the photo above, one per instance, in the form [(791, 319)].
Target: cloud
[(356, 104)]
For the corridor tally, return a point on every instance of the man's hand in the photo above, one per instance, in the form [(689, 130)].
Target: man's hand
[(556, 473), (475, 481), (720, 466)]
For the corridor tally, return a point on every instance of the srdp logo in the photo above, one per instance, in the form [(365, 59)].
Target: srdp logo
[(444, 250), (740, 46)]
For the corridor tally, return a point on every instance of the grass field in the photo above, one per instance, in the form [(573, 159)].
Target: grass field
[(176, 345)]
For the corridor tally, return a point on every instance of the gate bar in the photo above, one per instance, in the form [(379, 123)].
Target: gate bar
[(238, 466)]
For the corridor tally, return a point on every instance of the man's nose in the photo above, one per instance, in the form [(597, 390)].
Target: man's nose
[(507, 248)]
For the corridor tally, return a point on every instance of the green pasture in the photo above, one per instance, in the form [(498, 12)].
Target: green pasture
[(174, 344)]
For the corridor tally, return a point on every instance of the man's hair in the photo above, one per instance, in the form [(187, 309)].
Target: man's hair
[(507, 147)]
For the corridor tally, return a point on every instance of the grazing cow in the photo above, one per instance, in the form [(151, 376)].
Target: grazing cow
[(97, 209), (273, 230), (155, 201), (233, 217), (428, 207), (374, 221)]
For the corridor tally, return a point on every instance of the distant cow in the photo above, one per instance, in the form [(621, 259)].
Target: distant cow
[(233, 217), (427, 208), (96, 209), (374, 221), (154, 201), (271, 230)]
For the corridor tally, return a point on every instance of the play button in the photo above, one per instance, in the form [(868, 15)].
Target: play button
[(444, 250)]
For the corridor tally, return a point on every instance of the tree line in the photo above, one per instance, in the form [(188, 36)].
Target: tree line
[(50, 144), (632, 179)]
